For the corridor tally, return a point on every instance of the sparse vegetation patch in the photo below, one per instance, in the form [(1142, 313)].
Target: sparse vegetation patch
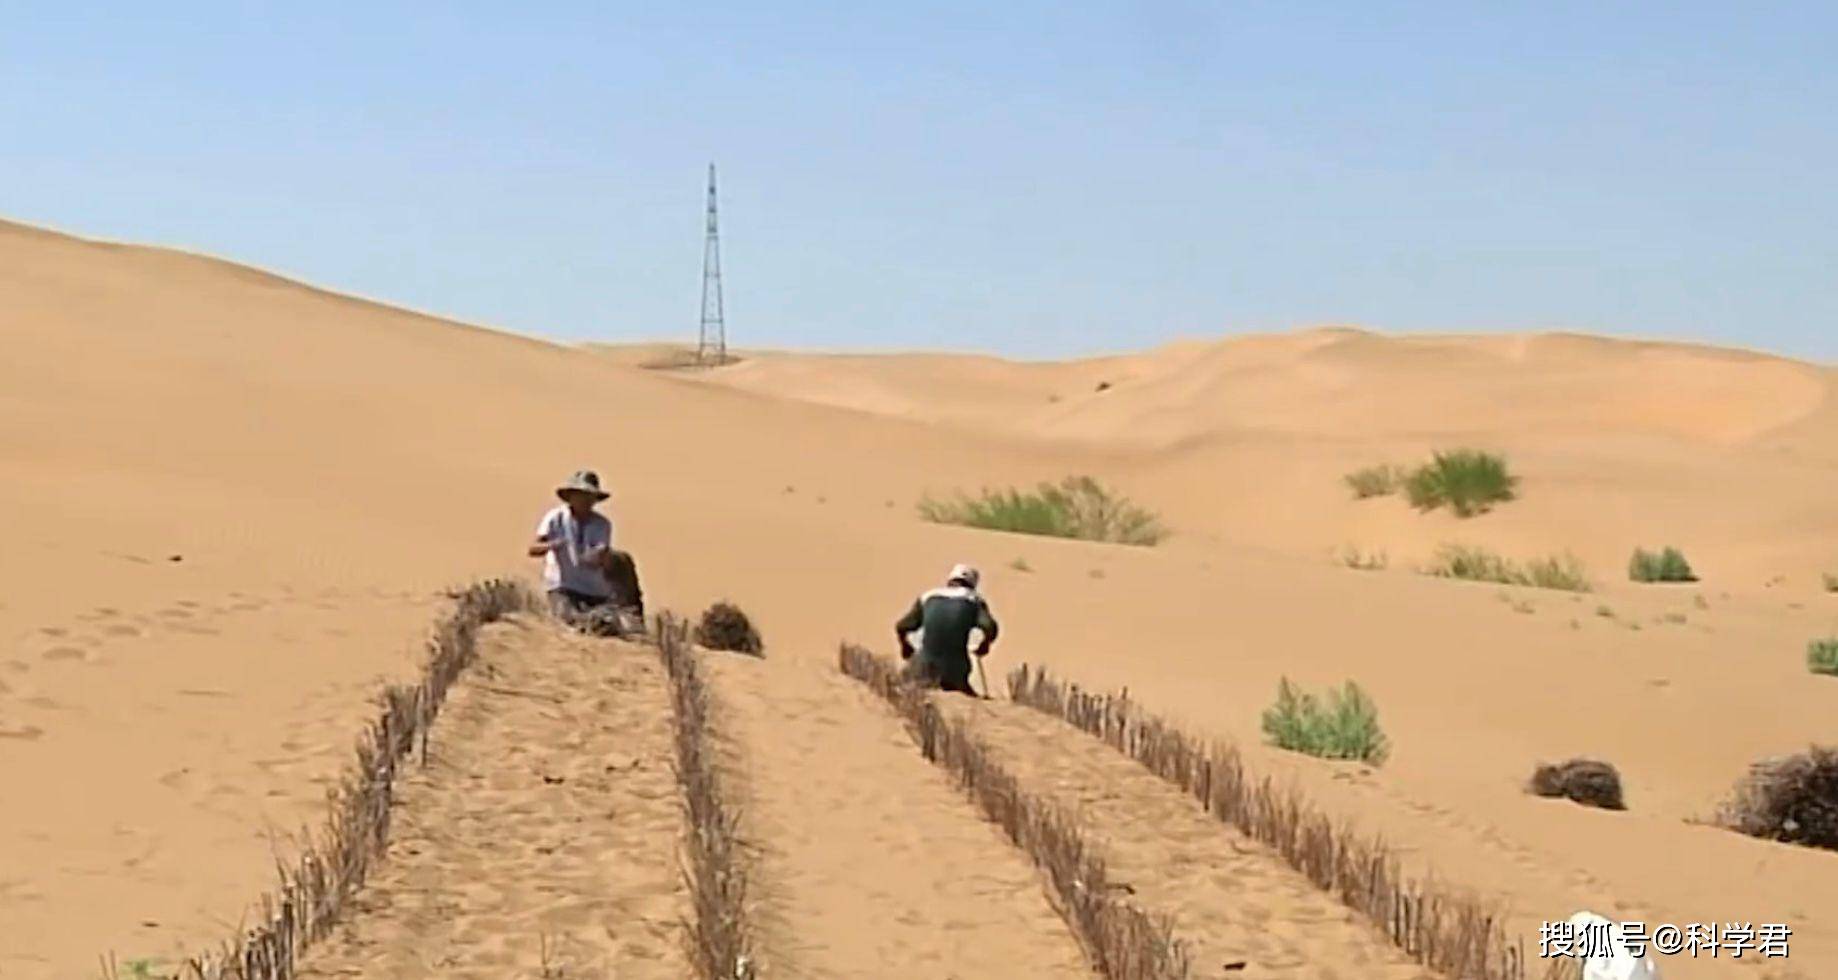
[(1666, 565), (1365, 561), (1346, 727), (1381, 480), (1075, 507), (1586, 781), (1822, 656), (1467, 481), (1563, 572), (1793, 799), (1831, 582)]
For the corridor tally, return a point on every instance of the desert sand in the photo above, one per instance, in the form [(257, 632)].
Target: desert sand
[(530, 841), (234, 501)]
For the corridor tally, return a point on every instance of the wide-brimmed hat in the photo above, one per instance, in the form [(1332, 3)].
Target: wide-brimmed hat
[(963, 575), (583, 481)]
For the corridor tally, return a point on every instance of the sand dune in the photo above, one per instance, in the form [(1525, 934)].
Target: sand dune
[(234, 500)]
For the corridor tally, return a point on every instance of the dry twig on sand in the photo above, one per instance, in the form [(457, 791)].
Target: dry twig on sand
[(719, 941)]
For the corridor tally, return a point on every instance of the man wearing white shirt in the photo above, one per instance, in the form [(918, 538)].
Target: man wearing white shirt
[(586, 577)]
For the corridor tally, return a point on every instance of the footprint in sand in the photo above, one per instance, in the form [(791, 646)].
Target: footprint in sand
[(66, 654), (121, 629), (26, 733)]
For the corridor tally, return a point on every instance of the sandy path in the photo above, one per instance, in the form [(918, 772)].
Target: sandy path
[(544, 829), (1232, 899), (868, 861)]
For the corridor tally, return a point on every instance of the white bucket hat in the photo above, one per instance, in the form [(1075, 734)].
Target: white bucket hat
[(964, 575)]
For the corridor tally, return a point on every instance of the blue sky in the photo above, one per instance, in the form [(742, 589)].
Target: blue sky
[(1034, 179)]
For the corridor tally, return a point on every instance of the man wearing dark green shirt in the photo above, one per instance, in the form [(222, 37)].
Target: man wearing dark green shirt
[(945, 618)]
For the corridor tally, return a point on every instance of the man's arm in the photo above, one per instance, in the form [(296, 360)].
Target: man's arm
[(546, 537), (914, 618), (986, 622)]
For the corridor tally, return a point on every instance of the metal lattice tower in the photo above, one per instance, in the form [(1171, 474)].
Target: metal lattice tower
[(712, 342)]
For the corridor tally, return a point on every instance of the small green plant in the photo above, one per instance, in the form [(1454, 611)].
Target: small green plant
[(1347, 727), (1666, 565), (1480, 565), (1822, 656), (1831, 582), (1467, 481), (1021, 565), (1373, 561), (1375, 481), (1605, 612), (1076, 507), (141, 969)]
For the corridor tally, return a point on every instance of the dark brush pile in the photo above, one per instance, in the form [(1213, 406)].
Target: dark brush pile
[(1584, 781), (1792, 799), (725, 627)]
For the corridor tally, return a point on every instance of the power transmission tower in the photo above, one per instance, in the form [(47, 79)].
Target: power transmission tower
[(712, 342)]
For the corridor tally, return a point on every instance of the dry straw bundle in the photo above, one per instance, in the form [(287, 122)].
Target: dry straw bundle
[(719, 942), (1793, 799), (1586, 781), (335, 861), (1446, 931), (725, 627), (1122, 941)]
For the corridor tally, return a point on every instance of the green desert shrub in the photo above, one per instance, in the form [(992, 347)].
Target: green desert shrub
[(1346, 727), (1480, 565), (1831, 582), (1822, 656), (1665, 565), (1467, 481), (1374, 481), (1075, 507)]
